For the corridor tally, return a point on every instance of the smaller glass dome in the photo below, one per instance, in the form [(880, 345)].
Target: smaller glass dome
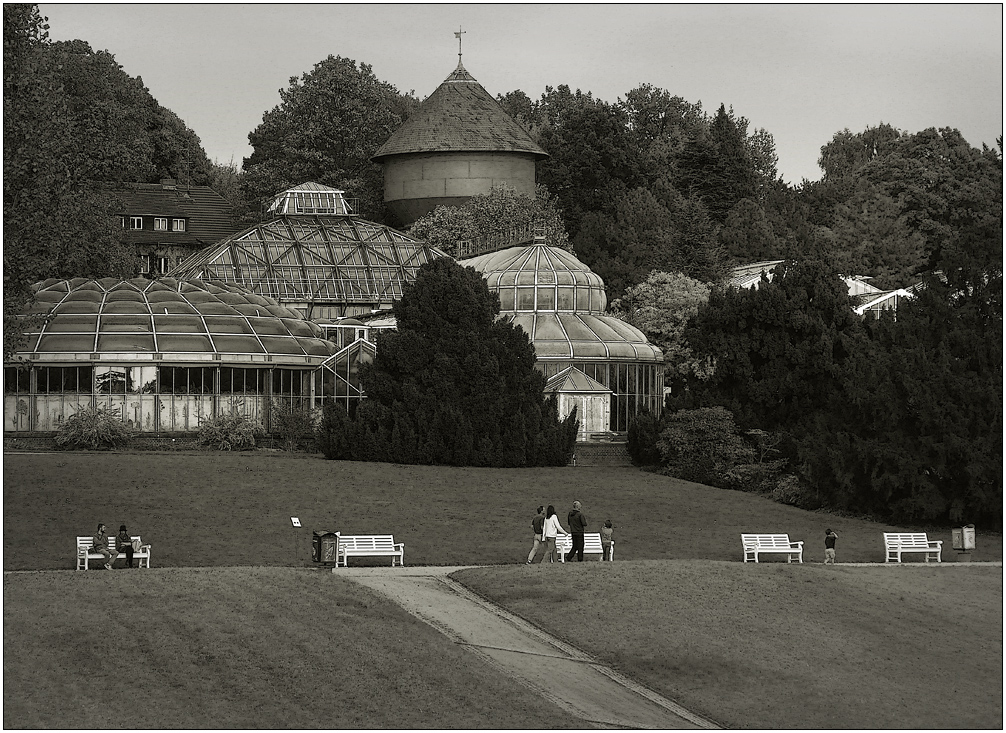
[(168, 318), (539, 278)]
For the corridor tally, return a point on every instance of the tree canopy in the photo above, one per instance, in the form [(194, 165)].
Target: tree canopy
[(328, 124)]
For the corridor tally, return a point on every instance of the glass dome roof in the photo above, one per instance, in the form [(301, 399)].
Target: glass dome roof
[(585, 336), (560, 303), (538, 278), (176, 320), (318, 252)]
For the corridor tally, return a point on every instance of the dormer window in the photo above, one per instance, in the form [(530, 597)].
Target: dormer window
[(160, 224), (178, 225), (136, 222)]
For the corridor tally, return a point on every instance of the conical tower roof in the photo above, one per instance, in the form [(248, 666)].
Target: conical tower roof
[(460, 116)]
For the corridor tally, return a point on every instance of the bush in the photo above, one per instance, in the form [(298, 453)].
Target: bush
[(93, 428), (702, 445), (789, 490), (294, 427), (336, 433), (230, 432), (757, 477), (644, 432)]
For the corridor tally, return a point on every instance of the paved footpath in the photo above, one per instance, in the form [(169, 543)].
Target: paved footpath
[(578, 684)]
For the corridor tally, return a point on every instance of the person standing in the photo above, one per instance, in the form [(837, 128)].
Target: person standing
[(606, 531), (124, 543), (100, 546), (577, 522), (537, 523), (550, 530), (829, 546)]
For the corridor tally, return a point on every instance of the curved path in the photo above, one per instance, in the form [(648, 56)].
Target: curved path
[(593, 692)]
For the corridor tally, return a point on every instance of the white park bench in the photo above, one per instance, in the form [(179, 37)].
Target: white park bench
[(85, 551), (591, 545), (370, 545), (897, 543), (779, 544)]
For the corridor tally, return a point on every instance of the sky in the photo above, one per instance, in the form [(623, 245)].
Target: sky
[(801, 72)]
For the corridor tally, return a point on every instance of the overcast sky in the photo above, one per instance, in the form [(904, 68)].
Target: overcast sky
[(802, 72)]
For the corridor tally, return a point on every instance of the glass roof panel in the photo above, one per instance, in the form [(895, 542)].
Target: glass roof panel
[(125, 342), (126, 306), (69, 342), (238, 344), (178, 324), (184, 343), (279, 345), (64, 322), (126, 323)]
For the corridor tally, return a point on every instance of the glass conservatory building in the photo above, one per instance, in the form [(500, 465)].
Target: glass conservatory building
[(316, 256), (560, 303), (165, 354)]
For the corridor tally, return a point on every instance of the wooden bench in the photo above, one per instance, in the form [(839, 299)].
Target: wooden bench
[(85, 552), (896, 543), (370, 545), (778, 544), (591, 545)]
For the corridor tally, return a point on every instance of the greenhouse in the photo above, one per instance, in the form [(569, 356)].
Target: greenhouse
[(316, 256), (166, 355), (560, 303)]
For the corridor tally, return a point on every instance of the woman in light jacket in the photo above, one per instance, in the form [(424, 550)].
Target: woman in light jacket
[(550, 531)]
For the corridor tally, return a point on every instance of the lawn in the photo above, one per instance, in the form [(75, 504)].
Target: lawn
[(230, 630), (226, 509), (262, 648), (781, 646)]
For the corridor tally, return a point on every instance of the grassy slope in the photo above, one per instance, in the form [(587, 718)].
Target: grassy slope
[(264, 648), (215, 509), (782, 646)]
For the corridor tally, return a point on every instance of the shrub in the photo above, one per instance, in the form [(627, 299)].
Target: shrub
[(230, 432), (789, 490), (294, 426), (760, 477), (93, 428), (644, 432), (702, 445)]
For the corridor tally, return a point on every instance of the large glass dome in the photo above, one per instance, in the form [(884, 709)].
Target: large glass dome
[(180, 320)]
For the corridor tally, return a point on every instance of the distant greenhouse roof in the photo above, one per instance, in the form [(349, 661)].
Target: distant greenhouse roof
[(178, 320), (460, 116), (315, 251)]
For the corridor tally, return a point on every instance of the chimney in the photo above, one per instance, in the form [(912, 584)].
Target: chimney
[(168, 184)]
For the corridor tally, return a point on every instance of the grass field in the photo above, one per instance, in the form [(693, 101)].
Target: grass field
[(781, 646), (230, 630), (224, 509), (262, 648)]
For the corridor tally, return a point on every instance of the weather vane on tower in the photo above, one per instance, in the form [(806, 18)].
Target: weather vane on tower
[(457, 35)]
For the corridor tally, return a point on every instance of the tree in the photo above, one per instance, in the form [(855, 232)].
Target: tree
[(490, 215), (326, 128), (778, 350), (660, 307), (57, 223), (646, 230), (453, 385), (593, 157)]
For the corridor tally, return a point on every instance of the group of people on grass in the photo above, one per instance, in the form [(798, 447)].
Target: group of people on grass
[(123, 543), (547, 529)]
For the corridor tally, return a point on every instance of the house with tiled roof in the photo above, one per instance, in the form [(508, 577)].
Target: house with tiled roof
[(459, 143), (166, 222)]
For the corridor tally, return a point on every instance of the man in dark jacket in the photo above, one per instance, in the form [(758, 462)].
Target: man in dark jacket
[(577, 522)]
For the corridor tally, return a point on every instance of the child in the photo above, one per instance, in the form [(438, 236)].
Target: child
[(606, 540), (829, 546)]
